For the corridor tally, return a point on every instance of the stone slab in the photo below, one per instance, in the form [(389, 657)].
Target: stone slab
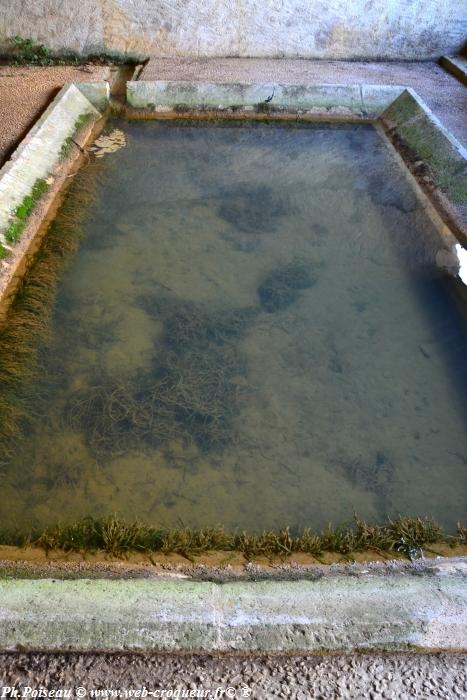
[(39, 152), (414, 125), (345, 100), (97, 92), (426, 609), (457, 65), (444, 95)]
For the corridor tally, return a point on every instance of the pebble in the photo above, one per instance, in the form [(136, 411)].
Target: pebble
[(407, 676)]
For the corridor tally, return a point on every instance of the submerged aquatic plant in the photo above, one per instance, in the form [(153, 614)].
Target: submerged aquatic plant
[(188, 325), (118, 537), (191, 397), (200, 390), (253, 210), (283, 285), (190, 394), (27, 324)]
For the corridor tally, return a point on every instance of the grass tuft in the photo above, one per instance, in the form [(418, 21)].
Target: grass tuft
[(69, 140), (118, 537), (22, 211)]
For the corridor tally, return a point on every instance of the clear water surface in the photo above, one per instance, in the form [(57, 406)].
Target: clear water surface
[(254, 332)]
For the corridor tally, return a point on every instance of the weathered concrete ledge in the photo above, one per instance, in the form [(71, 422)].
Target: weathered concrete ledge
[(43, 156), (364, 101), (455, 65), (97, 92), (422, 139), (425, 608), (39, 151)]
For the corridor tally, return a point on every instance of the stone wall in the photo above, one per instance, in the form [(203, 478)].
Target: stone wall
[(331, 29)]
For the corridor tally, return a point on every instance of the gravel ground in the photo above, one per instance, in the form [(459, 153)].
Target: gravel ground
[(25, 92), (402, 676), (443, 93)]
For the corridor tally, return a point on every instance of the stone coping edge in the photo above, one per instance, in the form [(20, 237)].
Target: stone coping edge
[(456, 65), (67, 121), (426, 145), (364, 611), (415, 131), (363, 101)]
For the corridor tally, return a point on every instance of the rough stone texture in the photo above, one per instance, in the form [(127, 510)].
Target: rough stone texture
[(379, 677), (25, 92), (339, 613), (445, 95), (418, 29), (98, 93)]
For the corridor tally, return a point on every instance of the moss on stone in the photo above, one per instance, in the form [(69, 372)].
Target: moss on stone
[(23, 210)]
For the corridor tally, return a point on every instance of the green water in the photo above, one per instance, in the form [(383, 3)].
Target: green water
[(254, 332)]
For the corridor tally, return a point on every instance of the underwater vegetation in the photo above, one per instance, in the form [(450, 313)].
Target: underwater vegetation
[(200, 390), (191, 393), (375, 475), (26, 327), (404, 536), (192, 398), (282, 286), (253, 209), (190, 325)]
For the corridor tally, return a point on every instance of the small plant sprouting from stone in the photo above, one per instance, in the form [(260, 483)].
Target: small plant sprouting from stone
[(28, 52), (69, 141), (23, 210)]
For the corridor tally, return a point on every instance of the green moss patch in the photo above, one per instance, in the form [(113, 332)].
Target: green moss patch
[(69, 141), (23, 210)]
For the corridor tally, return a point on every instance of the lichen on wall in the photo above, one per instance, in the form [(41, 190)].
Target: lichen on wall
[(331, 29)]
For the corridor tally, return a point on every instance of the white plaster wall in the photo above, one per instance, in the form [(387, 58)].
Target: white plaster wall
[(411, 29)]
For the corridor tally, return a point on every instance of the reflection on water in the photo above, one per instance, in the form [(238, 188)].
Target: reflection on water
[(254, 332)]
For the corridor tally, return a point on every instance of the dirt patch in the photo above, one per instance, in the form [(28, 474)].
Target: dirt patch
[(26, 91)]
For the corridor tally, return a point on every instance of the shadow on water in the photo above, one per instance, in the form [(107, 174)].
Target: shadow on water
[(432, 272), (442, 298)]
